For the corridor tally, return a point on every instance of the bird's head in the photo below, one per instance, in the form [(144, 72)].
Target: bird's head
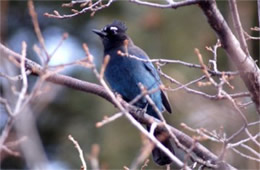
[(112, 34)]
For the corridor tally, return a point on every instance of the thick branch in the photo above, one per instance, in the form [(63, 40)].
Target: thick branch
[(249, 71), (58, 79), (80, 85), (187, 141)]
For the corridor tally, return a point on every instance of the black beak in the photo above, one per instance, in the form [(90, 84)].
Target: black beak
[(99, 33)]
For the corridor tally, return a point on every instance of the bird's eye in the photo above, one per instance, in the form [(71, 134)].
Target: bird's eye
[(104, 29)]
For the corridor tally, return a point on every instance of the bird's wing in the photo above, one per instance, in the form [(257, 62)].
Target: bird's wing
[(150, 67), (139, 53), (165, 101)]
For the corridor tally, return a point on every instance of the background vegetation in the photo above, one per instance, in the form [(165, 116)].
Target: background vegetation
[(168, 34)]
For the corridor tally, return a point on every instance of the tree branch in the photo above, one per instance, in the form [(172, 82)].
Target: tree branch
[(169, 5), (238, 26), (187, 141), (258, 9), (249, 71)]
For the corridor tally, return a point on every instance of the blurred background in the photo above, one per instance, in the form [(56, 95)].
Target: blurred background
[(167, 34)]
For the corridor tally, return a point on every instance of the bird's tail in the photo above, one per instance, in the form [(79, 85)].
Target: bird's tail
[(159, 156)]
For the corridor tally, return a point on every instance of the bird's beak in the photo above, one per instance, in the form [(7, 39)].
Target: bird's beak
[(99, 33)]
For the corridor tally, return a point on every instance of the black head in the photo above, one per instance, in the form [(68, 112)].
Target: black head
[(112, 34)]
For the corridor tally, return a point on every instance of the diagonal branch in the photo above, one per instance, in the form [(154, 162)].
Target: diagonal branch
[(258, 9), (238, 26), (247, 67), (171, 4), (187, 141)]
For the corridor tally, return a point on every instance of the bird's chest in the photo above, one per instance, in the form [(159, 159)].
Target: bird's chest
[(123, 75), (119, 67)]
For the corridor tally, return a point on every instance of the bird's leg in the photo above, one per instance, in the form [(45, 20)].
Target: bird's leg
[(142, 111), (145, 108)]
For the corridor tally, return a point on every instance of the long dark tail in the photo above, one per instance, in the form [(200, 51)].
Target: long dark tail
[(159, 156)]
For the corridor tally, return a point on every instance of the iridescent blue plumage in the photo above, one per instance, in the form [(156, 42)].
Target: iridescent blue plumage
[(125, 73)]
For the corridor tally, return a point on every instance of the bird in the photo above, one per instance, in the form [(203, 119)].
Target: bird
[(125, 74)]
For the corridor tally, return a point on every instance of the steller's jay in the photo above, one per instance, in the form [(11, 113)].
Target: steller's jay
[(124, 75)]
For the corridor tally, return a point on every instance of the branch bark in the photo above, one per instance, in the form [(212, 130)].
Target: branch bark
[(258, 10), (238, 26), (96, 89), (247, 67)]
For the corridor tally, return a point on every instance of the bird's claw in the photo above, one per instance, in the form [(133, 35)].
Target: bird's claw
[(142, 111)]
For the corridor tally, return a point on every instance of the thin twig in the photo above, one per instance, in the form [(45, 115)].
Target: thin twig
[(93, 156), (230, 145), (107, 120), (169, 5), (93, 8), (81, 155), (7, 106), (238, 26), (9, 151), (245, 156), (144, 153), (193, 91), (187, 64), (64, 37), (251, 150), (251, 137), (25, 83), (37, 28), (15, 78)]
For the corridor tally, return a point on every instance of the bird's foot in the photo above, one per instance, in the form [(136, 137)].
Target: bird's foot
[(142, 111)]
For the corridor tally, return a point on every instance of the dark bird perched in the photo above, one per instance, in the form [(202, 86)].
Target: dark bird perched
[(124, 75)]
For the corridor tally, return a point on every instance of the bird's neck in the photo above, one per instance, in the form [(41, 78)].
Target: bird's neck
[(117, 45)]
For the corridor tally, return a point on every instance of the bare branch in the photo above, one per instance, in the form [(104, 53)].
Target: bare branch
[(14, 78), (5, 131), (81, 155), (25, 83), (249, 37), (7, 106), (107, 120), (249, 71), (258, 10), (251, 150), (190, 90), (145, 151), (230, 145), (245, 156), (169, 5), (166, 61), (187, 141), (238, 25), (93, 156), (64, 37), (9, 151), (37, 28), (252, 138), (92, 7)]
